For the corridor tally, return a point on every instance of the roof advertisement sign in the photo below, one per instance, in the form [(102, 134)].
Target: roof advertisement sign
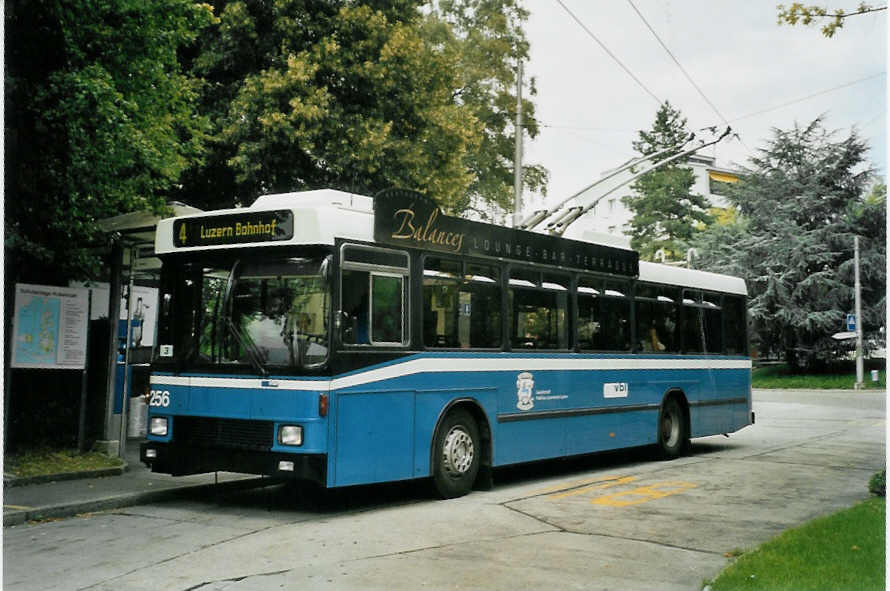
[(409, 219)]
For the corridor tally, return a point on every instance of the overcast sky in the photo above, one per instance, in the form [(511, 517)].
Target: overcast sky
[(741, 59)]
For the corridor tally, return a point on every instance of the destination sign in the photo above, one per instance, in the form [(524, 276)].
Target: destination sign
[(236, 228), (410, 219)]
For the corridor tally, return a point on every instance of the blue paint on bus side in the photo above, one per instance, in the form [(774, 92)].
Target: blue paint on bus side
[(374, 435), (383, 418)]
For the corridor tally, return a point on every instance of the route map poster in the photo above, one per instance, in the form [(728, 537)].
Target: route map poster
[(50, 327)]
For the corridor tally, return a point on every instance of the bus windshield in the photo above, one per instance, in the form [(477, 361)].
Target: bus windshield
[(262, 313)]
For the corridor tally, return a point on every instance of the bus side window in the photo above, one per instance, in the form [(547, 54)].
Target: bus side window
[(656, 308), (590, 329), (539, 305), (713, 323), (373, 295), (693, 329), (461, 305), (480, 307), (387, 299), (372, 308), (441, 278), (356, 308), (615, 308), (735, 325)]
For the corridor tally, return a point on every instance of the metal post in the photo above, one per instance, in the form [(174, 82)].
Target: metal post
[(82, 421), (125, 398), (114, 312), (8, 313), (517, 158), (860, 373)]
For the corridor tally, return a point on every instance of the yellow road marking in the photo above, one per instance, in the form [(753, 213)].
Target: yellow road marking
[(20, 507), (871, 422), (567, 485), (614, 481), (643, 494), (636, 496)]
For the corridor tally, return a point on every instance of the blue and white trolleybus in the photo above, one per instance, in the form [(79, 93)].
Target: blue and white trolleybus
[(346, 340)]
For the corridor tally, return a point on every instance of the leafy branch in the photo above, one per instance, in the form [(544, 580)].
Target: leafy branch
[(807, 15)]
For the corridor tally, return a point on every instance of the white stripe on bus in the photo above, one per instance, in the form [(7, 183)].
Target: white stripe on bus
[(457, 364)]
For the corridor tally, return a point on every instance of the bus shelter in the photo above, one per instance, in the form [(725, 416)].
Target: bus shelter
[(134, 274)]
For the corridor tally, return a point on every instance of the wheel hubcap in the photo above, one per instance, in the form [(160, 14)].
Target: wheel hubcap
[(458, 451), (670, 431)]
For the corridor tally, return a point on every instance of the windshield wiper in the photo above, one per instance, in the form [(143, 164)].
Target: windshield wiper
[(291, 336), (253, 354)]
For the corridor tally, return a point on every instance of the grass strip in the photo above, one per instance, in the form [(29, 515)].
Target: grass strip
[(40, 462), (842, 551), (778, 376)]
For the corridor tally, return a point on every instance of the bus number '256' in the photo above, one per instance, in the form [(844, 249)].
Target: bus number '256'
[(159, 398)]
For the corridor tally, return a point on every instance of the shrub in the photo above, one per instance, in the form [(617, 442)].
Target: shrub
[(878, 484)]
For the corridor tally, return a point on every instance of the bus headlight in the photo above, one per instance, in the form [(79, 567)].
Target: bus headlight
[(158, 426), (290, 435)]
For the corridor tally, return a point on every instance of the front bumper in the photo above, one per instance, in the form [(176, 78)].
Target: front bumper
[(176, 460)]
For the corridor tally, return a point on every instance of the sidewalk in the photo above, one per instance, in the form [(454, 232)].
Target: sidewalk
[(134, 486)]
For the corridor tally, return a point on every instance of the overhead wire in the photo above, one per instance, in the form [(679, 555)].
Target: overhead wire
[(689, 78), (682, 69), (807, 97), (881, 113), (609, 52), (769, 109), (676, 61), (579, 128), (629, 72)]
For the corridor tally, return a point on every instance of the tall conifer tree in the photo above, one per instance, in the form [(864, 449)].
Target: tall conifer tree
[(801, 202), (666, 210)]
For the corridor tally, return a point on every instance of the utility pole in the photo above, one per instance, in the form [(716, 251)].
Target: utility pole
[(860, 373), (115, 261), (517, 158), (125, 401)]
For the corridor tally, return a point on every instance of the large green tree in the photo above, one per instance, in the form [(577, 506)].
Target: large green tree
[(666, 212), (118, 105), (100, 120), (361, 96), (801, 202), (487, 38)]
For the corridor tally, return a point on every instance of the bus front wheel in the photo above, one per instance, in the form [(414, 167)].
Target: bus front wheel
[(456, 454), (673, 431)]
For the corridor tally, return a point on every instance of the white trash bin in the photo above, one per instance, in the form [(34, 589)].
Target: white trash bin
[(138, 417)]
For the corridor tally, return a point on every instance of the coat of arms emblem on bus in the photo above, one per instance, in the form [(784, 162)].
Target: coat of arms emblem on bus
[(525, 385)]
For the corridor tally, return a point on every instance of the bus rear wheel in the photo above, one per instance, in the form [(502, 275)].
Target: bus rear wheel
[(456, 454), (673, 432)]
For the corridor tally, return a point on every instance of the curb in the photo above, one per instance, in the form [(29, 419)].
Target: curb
[(818, 391), (82, 474), (20, 517)]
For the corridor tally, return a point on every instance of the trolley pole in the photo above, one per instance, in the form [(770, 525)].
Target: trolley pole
[(517, 158), (860, 372)]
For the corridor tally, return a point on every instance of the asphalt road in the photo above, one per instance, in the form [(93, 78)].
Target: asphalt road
[(613, 521)]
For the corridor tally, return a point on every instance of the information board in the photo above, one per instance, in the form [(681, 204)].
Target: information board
[(50, 327)]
